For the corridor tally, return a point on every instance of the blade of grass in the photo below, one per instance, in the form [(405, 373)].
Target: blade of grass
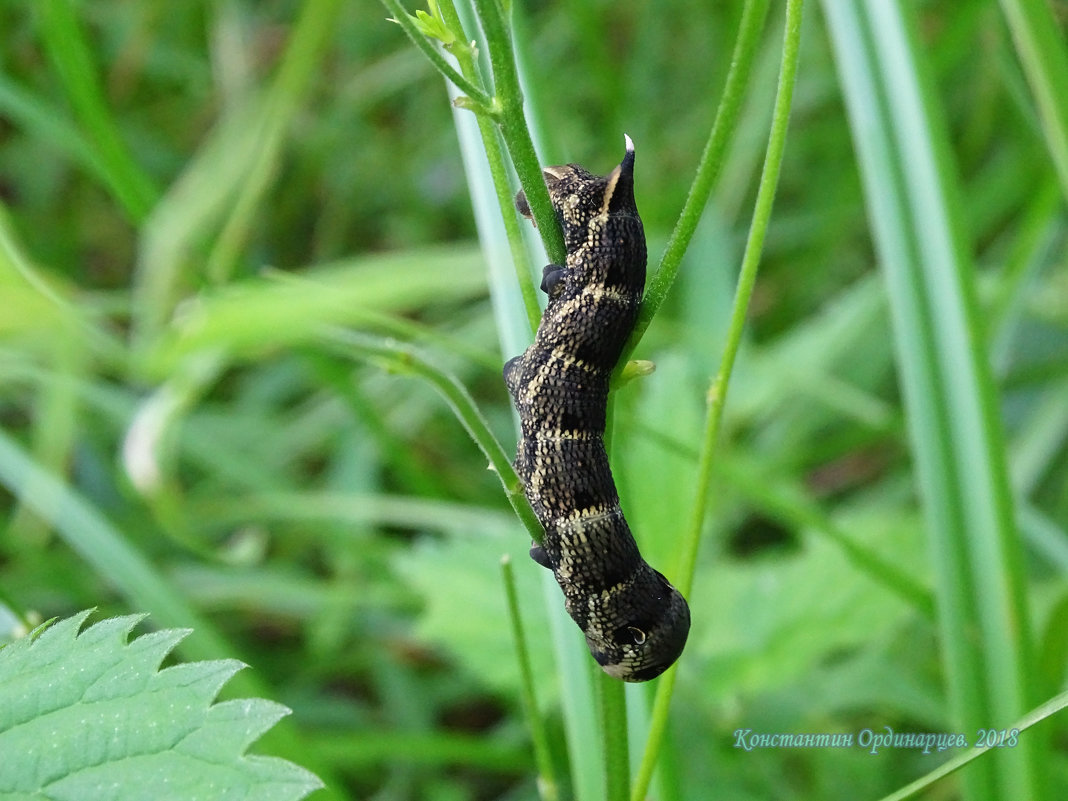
[(1040, 45), (312, 34), (754, 14), (717, 395), (191, 208), (283, 310), (495, 24), (44, 120), (948, 390), (72, 59), (104, 548), (547, 787), (487, 112), (67, 340), (578, 697), (221, 184), (1051, 707)]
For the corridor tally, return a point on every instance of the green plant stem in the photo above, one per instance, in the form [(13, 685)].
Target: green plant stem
[(506, 109), (717, 395), (745, 48), (491, 143), (520, 257), (477, 95), (547, 785), (509, 100), (401, 358), (613, 706), (746, 279)]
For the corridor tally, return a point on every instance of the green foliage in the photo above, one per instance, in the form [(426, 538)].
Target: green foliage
[(90, 716), (948, 390), (197, 197)]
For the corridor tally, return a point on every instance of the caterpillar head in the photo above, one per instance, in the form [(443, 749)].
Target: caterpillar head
[(579, 197), (638, 629)]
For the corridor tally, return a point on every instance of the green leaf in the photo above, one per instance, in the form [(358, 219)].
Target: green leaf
[(433, 24), (952, 405), (90, 715)]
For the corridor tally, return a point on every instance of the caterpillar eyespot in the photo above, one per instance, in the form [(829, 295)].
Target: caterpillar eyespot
[(634, 621)]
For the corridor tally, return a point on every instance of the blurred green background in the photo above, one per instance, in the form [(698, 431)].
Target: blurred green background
[(191, 190)]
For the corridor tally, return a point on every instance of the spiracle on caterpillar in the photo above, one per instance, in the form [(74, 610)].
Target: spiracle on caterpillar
[(634, 620)]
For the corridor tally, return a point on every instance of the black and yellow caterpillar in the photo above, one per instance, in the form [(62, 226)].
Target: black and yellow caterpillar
[(635, 622)]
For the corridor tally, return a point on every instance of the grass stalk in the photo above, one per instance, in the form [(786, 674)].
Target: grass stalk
[(547, 785), (746, 45), (495, 159), (73, 61), (956, 441), (1040, 713), (308, 44), (403, 359), (509, 99), (717, 395), (613, 706), (1039, 40)]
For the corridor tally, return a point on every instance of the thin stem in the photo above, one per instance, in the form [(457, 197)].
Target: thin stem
[(402, 358), (505, 108), (547, 786), (1040, 45), (747, 277), (509, 101), (1036, 715), (479, 97), (613, 706), (745, 47), (491, 143)]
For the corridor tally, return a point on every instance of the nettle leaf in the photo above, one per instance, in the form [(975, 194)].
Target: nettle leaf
[(90, 716)]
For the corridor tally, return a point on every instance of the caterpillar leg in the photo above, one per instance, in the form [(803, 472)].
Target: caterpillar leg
[(537, 553), (552, 277), (512, 368)]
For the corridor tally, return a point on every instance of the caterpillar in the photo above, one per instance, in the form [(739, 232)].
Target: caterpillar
[(634, 621)]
